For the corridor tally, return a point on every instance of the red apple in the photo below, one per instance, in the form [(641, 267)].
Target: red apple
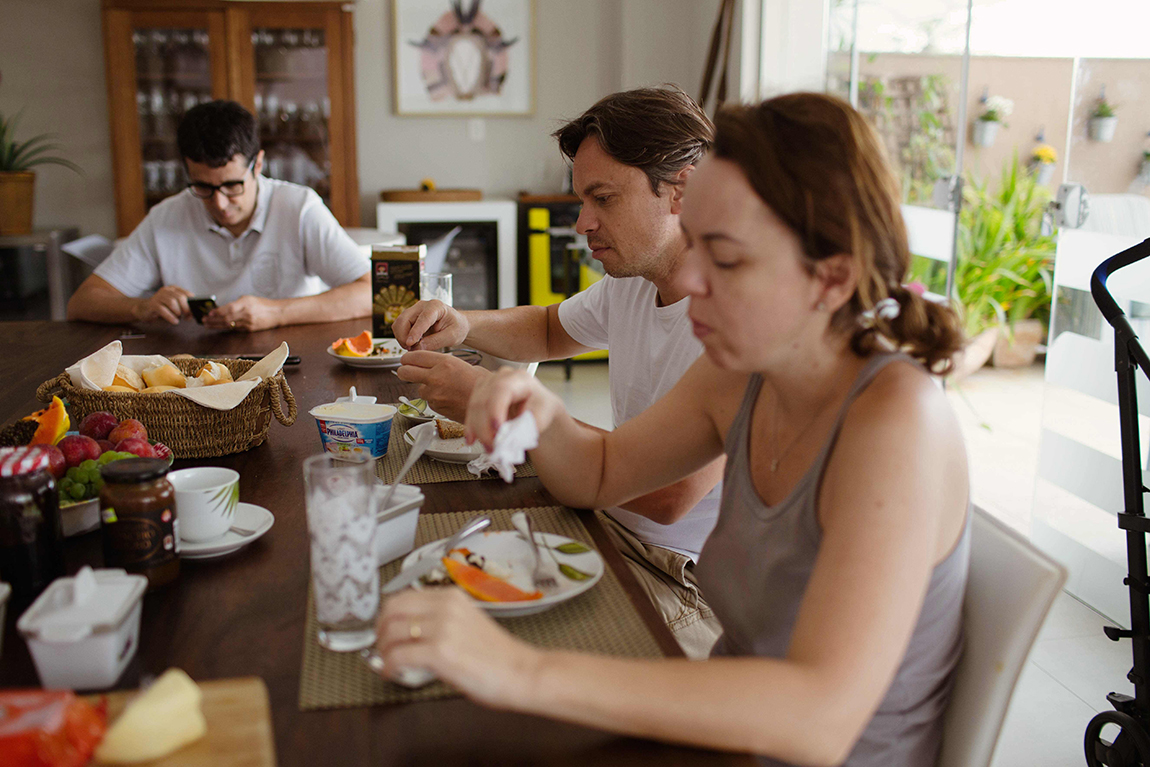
[(106, 445), (57, 466), (98, 425), (77, 448), (129, 428), (135, 446)]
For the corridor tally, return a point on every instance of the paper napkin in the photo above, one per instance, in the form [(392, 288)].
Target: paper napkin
[(512, 441)]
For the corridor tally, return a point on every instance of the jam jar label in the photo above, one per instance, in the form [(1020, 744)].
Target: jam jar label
[(140, 542)]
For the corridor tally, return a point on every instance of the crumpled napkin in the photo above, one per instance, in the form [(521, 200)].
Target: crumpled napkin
[(512, 441), (99, 368)]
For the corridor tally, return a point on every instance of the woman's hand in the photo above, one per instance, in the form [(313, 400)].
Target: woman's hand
[(499, 398), (444, 631)]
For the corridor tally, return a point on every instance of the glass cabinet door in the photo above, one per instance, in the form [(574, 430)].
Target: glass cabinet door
[(292, 105), (173, 74)]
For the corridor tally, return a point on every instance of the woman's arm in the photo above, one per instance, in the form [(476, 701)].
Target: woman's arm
[(889, 512), (586, 468)]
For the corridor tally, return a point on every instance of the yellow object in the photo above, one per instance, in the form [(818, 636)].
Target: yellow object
[(162, 719), (165, 375), (157, 389), (119, 387), (1044, 153), (427, 184), (128, 377), (214, 373), (356, 346), (53, 423)]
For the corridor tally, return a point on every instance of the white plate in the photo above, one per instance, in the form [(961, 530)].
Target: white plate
[(446, 450), (386, 361), (511, 552), (248, 516)]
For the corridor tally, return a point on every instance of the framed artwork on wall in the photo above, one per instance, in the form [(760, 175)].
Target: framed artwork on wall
[(463, 57)]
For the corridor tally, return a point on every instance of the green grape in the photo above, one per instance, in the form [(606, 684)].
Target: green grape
[(106, 458), (126, 455), (64, 484), (77, 491), (98, 485), (73, 474), (87, 465)]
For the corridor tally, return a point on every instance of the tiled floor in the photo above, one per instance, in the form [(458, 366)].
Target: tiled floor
[(1073, 665)]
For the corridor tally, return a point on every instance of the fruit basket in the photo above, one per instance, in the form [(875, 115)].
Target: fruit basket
[(189, 429)]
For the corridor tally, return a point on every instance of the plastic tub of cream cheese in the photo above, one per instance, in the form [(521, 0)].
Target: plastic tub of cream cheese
[(354, 429)]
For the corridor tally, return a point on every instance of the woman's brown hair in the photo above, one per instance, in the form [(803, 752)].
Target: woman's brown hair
[(819, 167)]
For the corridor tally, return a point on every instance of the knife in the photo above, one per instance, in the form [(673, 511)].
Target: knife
[(429, 562)]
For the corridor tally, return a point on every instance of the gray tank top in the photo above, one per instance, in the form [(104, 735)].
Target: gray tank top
[(754, 571)]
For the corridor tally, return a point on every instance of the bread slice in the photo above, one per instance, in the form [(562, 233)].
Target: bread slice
[(127, 377), (448, 429)]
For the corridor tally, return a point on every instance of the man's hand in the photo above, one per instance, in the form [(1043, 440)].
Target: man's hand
[(246, 313), (444, 381), (169, 303), (430, 326)]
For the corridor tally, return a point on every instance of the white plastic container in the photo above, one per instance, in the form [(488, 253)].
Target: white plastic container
[(354, 429), (83, 631), (5, 592), (395, 528)]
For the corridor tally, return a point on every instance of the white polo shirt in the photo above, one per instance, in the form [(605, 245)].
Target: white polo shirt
[(651, 348), (292, 247)]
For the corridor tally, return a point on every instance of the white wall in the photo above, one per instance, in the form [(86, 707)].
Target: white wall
[(52, 62), (52, 67)]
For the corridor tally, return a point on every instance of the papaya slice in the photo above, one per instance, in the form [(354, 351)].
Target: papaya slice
[(357, 346), (53, 423), (484, 586)]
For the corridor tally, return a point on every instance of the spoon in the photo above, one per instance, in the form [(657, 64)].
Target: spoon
[(412, 405), (422, 440)]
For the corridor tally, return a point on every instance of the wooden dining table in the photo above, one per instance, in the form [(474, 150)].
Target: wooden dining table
[(243, 615)]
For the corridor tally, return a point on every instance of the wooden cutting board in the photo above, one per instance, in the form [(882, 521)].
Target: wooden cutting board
[(239, 726)]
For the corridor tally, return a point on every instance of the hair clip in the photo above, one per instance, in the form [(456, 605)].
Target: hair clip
[(886, 309)]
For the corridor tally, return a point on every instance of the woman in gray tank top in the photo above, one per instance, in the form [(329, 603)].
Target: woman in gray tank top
[(838, 564)]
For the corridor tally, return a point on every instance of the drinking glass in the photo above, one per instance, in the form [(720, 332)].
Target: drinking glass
[(435, 285), (341, 509)]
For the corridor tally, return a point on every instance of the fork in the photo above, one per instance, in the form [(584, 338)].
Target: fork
[(540, 577)]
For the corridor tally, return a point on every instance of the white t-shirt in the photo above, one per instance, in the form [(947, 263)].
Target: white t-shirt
[(293, 247), (651, 348)]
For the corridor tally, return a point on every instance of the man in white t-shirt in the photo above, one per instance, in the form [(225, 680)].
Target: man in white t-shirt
[(269, 251), (631, 154)]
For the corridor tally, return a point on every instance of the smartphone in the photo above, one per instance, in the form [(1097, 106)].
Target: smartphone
[(200, 306)]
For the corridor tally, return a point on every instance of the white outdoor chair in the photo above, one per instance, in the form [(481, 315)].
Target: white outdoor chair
[(1009, 591)]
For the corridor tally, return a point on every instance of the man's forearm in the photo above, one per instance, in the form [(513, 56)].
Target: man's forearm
[(518, 334), (345, 302), (92, 304)]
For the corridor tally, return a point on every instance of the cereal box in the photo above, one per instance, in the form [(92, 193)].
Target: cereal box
[(395, 277)]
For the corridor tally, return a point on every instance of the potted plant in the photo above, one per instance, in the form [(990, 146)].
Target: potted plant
[(1004, 271), (17, 179), (995, 110), (1103, 121), (1042, 160)]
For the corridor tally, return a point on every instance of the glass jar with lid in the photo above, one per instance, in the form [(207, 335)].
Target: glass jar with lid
[(31, 534), (138, 519)]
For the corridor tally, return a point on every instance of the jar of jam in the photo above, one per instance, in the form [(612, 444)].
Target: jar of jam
[(31, 534), (138, 519)]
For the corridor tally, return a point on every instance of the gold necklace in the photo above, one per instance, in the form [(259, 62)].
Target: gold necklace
[(777, 457)]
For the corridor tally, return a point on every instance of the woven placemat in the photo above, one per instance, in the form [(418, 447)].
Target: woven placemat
[(601, 620), (427, 469)]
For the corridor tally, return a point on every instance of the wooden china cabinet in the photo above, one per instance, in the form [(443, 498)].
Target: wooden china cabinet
[(290, 63)]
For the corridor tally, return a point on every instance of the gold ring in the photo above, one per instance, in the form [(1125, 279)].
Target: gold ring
[(414, 631), (232, 324)]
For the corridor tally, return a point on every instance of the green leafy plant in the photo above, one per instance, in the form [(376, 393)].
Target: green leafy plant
[(1103, 108), (1005, 263), (22, 156)]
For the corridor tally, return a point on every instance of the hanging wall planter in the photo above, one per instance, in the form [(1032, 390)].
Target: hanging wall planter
[(985, 132), (1043, 172), (1102, 128)]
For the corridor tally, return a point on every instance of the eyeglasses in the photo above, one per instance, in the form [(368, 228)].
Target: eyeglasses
[(229, 188)]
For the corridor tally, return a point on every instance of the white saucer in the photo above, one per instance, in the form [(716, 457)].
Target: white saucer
[(248, 516), (453, 450)]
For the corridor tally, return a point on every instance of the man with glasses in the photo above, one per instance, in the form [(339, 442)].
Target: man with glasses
[(269, 251)]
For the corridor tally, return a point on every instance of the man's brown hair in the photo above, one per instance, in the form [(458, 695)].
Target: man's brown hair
[(660, 131)]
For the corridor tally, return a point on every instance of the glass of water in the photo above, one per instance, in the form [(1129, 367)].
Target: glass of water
[(341, 520), (435, 286)]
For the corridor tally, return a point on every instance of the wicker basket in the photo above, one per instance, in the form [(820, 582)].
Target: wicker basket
[(189, 429)]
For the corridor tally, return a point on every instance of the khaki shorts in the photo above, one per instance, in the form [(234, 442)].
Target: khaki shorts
[(668, 578)]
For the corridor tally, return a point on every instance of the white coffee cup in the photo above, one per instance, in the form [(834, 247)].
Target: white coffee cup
[(206, 501)]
